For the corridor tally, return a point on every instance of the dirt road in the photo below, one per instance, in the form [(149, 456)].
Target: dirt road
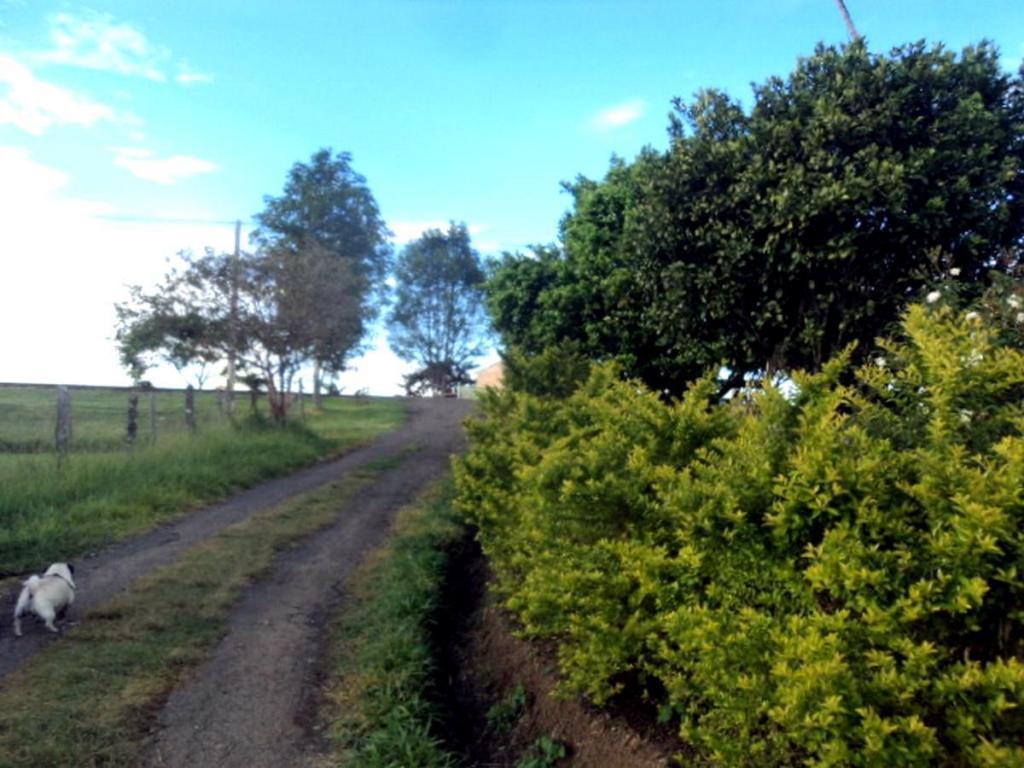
[(248, 704), (433, 426)]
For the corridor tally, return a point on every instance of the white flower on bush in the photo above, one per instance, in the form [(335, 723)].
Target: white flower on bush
[(1014, 301), (954, 272), (1020, 317), (932, 297), (972, 317), (965, 416), (880, 362)]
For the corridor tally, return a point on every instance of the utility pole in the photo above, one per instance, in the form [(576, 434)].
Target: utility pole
[(854, 34), (233, 348)]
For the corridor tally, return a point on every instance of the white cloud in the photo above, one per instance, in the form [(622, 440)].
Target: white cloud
[(98, 41), (65, 266), (378, 370), (618, 115), (407, 231), (34, 105), (162, 170), (188, 77), (27, 182)]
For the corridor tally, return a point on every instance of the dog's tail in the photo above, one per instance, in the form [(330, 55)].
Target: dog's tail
[(31, 584)]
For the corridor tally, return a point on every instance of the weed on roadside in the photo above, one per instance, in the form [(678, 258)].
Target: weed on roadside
[(502, 717), (545, 753), (378, 709)]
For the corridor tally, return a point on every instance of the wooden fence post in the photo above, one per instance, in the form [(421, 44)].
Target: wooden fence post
[(190, 408), (132, 428), (152, 418), (62, 434)]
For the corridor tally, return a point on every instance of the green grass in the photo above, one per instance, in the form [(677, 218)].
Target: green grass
[(48, 514), (544, 753), (503, 716), (89, 700), (378, 712)]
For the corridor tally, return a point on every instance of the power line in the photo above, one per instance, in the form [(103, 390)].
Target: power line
[(168, 219)]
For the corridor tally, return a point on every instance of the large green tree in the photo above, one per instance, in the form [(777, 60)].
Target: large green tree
[(327, 213), (771, 237), (438, 318)]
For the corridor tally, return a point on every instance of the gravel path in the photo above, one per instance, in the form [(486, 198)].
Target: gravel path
[(248, 704), (103, 575)]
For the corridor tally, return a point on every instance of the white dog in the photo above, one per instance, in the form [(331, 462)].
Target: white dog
[(46, 596)]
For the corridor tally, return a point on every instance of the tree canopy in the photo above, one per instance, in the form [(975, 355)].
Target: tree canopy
[(185, 320), (306, 295), (438, 319), (327, 213), (775, 236)]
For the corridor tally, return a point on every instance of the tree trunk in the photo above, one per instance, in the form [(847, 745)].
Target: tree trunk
[(317, 403), (275, 397), (233, 349)]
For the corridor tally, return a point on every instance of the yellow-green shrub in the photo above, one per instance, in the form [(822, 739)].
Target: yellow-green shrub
[(828, 577)]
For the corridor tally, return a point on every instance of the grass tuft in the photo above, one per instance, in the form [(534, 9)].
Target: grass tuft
[(378, 709)]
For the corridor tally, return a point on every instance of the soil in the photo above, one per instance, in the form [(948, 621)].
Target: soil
[(102, 575), (483, 664)]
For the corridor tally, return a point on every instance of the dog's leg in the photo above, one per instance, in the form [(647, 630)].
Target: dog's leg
[(46, 614), (19, 610)]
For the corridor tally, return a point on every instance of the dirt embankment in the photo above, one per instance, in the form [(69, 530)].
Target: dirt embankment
[(497, 690)]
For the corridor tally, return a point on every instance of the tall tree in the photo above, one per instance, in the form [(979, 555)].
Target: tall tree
[(773, 237), (438, 319), (327, 212)]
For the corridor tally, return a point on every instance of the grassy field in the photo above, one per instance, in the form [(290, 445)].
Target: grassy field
[(48, 513), (89, 700)]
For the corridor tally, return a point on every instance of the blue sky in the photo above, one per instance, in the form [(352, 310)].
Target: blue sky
[(126, 126)]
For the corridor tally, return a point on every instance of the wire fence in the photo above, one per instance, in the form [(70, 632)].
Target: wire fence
[(52, 419)]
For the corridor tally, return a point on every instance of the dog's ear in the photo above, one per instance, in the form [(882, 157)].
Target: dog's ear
[(71, 568)]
